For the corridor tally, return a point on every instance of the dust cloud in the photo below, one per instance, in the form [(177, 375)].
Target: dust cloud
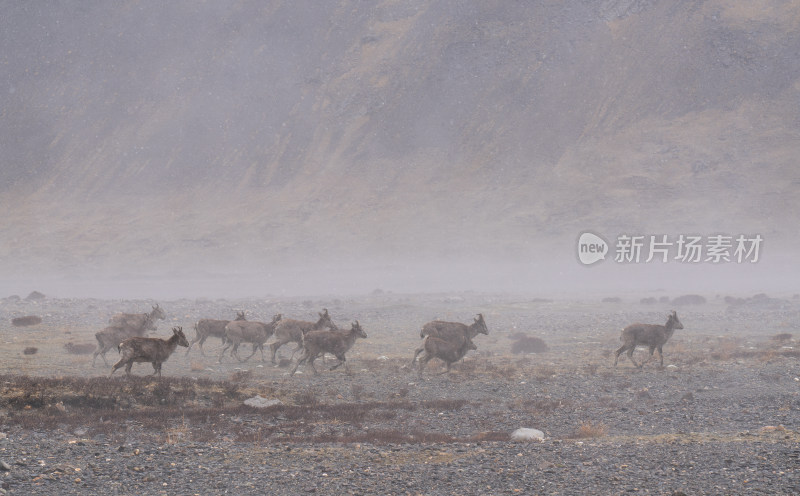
[(234, 149)]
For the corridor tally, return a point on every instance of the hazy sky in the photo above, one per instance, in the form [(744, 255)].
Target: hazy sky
[(240, 147)]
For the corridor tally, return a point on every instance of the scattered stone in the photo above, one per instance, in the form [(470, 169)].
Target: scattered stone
[(259, 402), (690, 299), (528, 344), (28, 320), (35, 295)]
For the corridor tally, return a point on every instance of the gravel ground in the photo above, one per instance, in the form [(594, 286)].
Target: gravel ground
[(720, 418)]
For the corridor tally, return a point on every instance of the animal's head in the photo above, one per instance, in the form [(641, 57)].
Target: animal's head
[(481, 325), (276, 318), (673, 319), (356, 328), (158, 313), (240, 316), (178, 331), (325, 320), (469, 345)]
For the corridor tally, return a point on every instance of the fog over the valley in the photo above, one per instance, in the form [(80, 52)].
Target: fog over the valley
[(231, 149)]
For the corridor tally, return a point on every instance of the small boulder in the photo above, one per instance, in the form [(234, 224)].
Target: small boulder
[(35, 295), (527, 434), (258, 401), (28, 320)]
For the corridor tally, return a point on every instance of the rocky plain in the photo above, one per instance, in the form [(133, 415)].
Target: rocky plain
[(720, 417)]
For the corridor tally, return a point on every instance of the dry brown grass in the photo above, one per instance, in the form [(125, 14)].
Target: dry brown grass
[(181, 410), (782, 338), (589, 430), (79, 348)]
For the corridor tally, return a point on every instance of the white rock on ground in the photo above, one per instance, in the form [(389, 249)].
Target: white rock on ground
[(527, 434), (259, 402)]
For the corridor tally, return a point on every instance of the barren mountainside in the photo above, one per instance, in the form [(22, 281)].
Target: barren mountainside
[(177, 135)]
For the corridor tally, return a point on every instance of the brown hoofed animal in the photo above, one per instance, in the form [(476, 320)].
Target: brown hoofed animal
[(242, 331), (444, 350), (317, 343), (137, 320), (651, 335), (153, 350), (292, 331), (205, 328), (454, 332), (111, 336)]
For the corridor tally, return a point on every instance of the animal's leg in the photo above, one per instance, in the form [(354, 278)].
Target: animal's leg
[(261, 347), (416, 353), (273, 348), (116, 366), (296, 349), (311, 362), (255, 347), (303, 358), (650, 358), (617, 354), (235, 351), (224, 349), (423, 362), (189, 348), (200, 345), (445, 371), (341, 359), (630, 356)]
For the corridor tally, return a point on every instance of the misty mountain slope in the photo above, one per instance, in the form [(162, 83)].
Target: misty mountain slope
[(175, 135)]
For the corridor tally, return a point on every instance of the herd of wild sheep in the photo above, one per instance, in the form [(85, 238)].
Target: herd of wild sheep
[(447, 341)]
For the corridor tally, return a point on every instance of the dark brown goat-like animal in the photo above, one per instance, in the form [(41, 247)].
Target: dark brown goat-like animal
[(242, 331), (651, 335), (137, 320), (454, 332), (112, 336), (292, 331), (447, 351), (205, 328), (153, 350), (337, 343)]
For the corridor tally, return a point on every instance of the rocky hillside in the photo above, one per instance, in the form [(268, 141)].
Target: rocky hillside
[(181, 135)]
